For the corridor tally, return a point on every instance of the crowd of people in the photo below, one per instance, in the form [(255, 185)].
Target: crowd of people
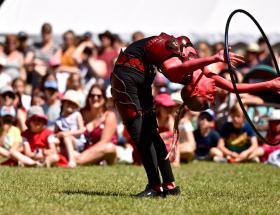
[(57, 109)]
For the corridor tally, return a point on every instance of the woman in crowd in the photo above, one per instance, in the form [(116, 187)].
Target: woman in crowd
[(101, 128), (14, 59)]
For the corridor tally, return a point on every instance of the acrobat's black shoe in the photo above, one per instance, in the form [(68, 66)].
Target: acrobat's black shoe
[(149, 192), (176, 191)]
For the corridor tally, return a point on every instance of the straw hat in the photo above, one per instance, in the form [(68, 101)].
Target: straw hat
[(72, 96)]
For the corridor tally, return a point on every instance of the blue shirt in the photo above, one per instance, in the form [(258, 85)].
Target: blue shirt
[(237, 139), (205, 143)]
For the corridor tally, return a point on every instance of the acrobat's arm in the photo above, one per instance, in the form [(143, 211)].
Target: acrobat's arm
[(242, 88), (175, 69)]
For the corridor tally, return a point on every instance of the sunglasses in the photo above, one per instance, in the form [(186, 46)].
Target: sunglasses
[(98, 96)]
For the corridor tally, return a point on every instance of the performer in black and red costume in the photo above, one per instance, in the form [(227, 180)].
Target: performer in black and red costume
[(131, 82)]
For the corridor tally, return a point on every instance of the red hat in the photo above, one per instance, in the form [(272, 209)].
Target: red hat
[(165, 100)]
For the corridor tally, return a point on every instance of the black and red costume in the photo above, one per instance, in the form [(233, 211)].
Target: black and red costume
[(131, 82)]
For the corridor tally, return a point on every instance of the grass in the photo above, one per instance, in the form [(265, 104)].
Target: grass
[(207, 188)]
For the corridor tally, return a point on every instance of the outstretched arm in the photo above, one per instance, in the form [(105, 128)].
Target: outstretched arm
[(243, 88), (175, 69)]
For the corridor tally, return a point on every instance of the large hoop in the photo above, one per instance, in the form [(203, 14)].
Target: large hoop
[(232, 70)]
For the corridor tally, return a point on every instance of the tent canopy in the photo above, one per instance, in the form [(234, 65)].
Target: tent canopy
[(200, 19)]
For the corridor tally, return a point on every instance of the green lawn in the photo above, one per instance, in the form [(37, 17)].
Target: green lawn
[(207, 188)]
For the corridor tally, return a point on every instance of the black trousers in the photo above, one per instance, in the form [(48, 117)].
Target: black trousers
[(143, 129)]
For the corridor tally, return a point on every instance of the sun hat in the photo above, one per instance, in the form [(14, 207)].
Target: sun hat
[(36, 112), (72, 96), (7, 89), (7, 111), (165, 100), (51, 84)]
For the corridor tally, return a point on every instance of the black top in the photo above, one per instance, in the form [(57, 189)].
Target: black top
[(136, 49)]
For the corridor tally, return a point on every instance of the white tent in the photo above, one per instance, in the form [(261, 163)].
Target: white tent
[(198, 19)]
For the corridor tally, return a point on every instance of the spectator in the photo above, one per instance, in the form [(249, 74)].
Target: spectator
[(93, 70), (21, 112), (137, 35), (165, 119), (186, 137), (38, 98), (7, 96), (23, 46), (10, 138), (5, 79), (101, 129), (19, 87), (107, 53), (265, 57), (69, 127), (273, 135), (238, 140), (52, 104), (224, 101), (42, 52), (74, 82), (252, 58), (206, 137), (14, 59), (39, 145), (68, 48)]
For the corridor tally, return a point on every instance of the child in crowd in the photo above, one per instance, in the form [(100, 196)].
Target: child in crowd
[(238, 141), (69, 127), (273, 135), (10, 138), (52, 102), (39, 144), (186, 136), (206, 137), (165, 119)]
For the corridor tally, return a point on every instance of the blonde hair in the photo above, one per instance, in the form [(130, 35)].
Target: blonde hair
[(236, 109)]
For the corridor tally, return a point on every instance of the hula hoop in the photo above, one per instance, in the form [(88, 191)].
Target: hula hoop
[(232, 70)]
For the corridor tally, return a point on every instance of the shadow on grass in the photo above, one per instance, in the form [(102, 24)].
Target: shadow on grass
[(95, 193)]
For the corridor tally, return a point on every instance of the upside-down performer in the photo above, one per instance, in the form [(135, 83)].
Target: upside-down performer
[(131, 83)]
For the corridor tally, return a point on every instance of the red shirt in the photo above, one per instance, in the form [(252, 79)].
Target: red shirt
[(37, 140)]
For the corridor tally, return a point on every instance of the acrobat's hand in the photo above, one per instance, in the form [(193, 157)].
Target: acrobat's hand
[(234, 58), (275, 84)]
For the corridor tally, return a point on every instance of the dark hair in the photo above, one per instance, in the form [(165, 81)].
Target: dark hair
[(87, 103), (46, 28)]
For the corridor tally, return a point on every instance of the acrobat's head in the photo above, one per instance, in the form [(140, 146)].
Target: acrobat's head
[(199, 96)]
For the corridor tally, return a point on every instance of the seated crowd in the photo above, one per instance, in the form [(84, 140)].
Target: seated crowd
[(56, 107)]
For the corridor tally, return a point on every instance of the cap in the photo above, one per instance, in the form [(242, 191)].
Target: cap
[(51, 84), (8, 111), (275, 115), (87, 35), (22, 35), (165, 100), (6, 89), (253, 47), (176, 97), (36, 112), (208, 112), (72, 96)]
